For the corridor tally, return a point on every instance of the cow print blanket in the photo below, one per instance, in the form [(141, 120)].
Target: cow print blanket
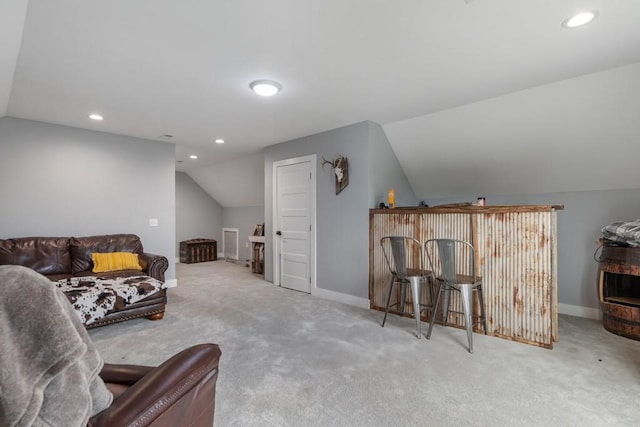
[(93, 298)]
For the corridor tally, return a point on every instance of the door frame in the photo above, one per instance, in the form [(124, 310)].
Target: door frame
[(312, 158)]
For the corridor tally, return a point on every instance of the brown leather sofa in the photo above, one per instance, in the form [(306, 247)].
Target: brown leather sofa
[(64, 257), (180, 392)]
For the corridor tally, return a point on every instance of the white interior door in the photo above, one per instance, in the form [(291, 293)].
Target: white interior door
[(294, 215)]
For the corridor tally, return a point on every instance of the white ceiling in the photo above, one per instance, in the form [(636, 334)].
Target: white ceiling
[(155, 67)]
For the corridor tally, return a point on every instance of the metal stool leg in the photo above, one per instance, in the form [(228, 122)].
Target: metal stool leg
[(415, 295), (482, 313), (386, 310), (445, 304), (403, 295), (431, 295), (467, 305), (434, 310)]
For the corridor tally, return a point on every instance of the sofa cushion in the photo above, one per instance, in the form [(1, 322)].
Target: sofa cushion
[(46, 255), (114, 261), (83, 247)]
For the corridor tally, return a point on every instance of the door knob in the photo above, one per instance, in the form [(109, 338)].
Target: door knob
[(279, 233)]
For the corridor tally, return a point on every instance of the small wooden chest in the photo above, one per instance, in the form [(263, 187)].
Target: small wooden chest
[(198, 250)]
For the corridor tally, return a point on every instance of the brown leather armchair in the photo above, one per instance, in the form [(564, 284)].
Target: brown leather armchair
[(179, 392), (50, 366)]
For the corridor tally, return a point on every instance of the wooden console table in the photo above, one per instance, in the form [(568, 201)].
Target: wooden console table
[(516, 255)]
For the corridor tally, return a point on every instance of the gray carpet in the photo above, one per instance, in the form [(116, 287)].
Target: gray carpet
[(289, 359)]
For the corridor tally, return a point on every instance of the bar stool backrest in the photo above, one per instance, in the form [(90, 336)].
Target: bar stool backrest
[(449, 252), (400, 262)]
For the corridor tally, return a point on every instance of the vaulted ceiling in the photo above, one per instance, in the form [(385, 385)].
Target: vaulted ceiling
[(441, 76)]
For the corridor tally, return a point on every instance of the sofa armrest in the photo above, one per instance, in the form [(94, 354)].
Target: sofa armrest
[(183, 384), (156, 265)]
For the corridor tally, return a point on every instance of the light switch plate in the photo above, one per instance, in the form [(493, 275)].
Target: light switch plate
[(153, 222)]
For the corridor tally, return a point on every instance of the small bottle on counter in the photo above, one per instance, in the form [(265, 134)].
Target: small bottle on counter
[(481, 201), (391, 198)]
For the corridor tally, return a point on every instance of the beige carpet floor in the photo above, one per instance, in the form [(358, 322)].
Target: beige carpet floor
[(289, 359)]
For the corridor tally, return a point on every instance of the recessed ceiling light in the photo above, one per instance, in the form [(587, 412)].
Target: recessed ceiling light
[(219, 141), (193, 156), (580, 19), (95, 117), (265, 87)]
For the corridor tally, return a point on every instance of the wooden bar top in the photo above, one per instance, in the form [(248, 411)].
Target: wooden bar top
[(469, 208)]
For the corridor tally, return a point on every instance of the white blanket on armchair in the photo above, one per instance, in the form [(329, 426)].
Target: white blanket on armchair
[(48, 365)]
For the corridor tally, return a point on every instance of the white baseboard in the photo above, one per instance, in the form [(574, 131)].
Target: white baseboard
[(340, 297), (578, 311), (171, 283)]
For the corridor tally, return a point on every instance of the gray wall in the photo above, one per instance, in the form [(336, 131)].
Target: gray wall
[(579, 225), (62, 181), (385, 171), (245, 220), (342, 259), (198, 215)]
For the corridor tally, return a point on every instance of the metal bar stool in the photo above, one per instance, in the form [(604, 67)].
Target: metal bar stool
[(404, 252), (449, 278)]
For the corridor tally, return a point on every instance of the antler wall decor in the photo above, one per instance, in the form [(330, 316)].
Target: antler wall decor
[(340, 167)]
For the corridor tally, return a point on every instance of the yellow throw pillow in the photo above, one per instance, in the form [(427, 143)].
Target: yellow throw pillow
[(114, 261)]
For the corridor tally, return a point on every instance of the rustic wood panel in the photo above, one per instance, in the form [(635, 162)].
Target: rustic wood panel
[(517, 258)]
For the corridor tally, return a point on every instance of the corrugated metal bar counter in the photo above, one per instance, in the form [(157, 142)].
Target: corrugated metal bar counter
[(516, 253)]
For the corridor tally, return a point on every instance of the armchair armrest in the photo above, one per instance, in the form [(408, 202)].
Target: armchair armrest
[(124, 374), (154, 265), (184, 384)]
